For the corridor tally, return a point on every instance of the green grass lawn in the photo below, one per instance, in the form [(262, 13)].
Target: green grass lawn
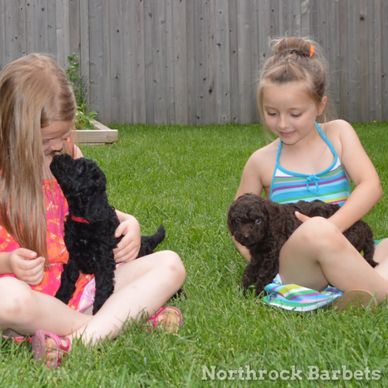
[(185, 178)]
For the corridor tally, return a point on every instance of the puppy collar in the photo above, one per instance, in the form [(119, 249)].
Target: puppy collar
[(79, 219)]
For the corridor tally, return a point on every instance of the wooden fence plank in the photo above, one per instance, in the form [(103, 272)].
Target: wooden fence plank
[(343, 109), (305, 17), (363, 20), (250, 93), (116, 73), (74, 26), (244, 31), (333, 55), (106, 81), (263, 16), (51, 25), (179, 60), (384, 59), (96, 53), (11, 31), (3, 59), (355, 59), (199, 58), (84, 45), (62, 31), (374, 42), (148, 59), (209, 95), (126, 66), (159, 73), (222, 69), (234, 98), (138, 59)]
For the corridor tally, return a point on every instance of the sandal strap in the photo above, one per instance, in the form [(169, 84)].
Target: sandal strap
[(62, 343), (40, 349), (154, 319)]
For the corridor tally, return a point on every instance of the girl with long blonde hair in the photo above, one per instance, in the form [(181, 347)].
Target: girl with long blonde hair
[(37, 110)]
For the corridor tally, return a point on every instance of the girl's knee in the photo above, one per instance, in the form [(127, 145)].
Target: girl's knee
[(173, 263), (318, 232), (16, 301)]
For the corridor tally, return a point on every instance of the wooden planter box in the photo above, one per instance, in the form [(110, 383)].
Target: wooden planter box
[(99, 135)]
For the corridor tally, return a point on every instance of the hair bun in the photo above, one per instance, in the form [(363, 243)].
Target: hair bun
[(294, 45)]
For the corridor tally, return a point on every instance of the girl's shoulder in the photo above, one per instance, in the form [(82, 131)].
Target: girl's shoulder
[(266, 152), (264, 158), (339, 132), (336, 128), (258, 170)]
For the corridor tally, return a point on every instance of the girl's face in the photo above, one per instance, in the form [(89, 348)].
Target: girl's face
[(54, 138), (289, 111)]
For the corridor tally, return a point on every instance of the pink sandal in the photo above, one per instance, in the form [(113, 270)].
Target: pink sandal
[(41, 349), (169, 318)]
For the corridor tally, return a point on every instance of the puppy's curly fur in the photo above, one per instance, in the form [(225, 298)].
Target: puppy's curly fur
[(264, 226), (90, 227)]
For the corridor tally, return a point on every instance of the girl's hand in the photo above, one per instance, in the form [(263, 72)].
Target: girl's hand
[(128, 248), (26, 266), (301, 217)]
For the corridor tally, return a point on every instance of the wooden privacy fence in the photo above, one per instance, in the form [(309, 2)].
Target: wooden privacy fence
[(197, 61)]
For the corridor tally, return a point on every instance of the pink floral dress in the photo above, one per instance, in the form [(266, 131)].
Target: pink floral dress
[(56, 212)]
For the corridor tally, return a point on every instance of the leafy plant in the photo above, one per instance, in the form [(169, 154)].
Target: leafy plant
[(84, 116)]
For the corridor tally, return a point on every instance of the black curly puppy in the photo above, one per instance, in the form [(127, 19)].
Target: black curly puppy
[(90, 227), (264, 226)]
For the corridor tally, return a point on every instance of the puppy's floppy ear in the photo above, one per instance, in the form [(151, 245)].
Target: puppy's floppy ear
[(231, 222), (271, 212), (95, 175), (99, 176), (231, 216)]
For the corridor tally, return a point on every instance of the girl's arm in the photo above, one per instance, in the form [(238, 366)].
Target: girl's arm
[(129, 229), (361, 171), (252, 179)]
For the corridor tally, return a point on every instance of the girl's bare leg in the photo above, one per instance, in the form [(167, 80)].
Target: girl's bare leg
[(142, 286), (25, 311), (317, 254), (381, 251)]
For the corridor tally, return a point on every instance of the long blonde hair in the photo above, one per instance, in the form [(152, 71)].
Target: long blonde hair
[(34, 91)]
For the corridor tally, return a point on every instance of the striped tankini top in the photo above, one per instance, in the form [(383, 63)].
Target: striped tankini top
[(330, 185)]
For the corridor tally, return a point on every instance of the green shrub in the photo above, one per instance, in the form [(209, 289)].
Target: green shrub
[(84, 116)]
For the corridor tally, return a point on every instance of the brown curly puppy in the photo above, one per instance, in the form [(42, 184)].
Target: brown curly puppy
[(264, 226)]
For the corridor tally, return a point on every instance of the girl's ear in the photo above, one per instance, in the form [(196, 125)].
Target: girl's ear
[(322, 105)]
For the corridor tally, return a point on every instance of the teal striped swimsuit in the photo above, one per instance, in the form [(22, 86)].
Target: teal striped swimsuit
[(330, 185)]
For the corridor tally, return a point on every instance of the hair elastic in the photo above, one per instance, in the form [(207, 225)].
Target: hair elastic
[(312, 50)]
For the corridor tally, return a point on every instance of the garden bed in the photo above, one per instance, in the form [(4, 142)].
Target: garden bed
[(100, 134)]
